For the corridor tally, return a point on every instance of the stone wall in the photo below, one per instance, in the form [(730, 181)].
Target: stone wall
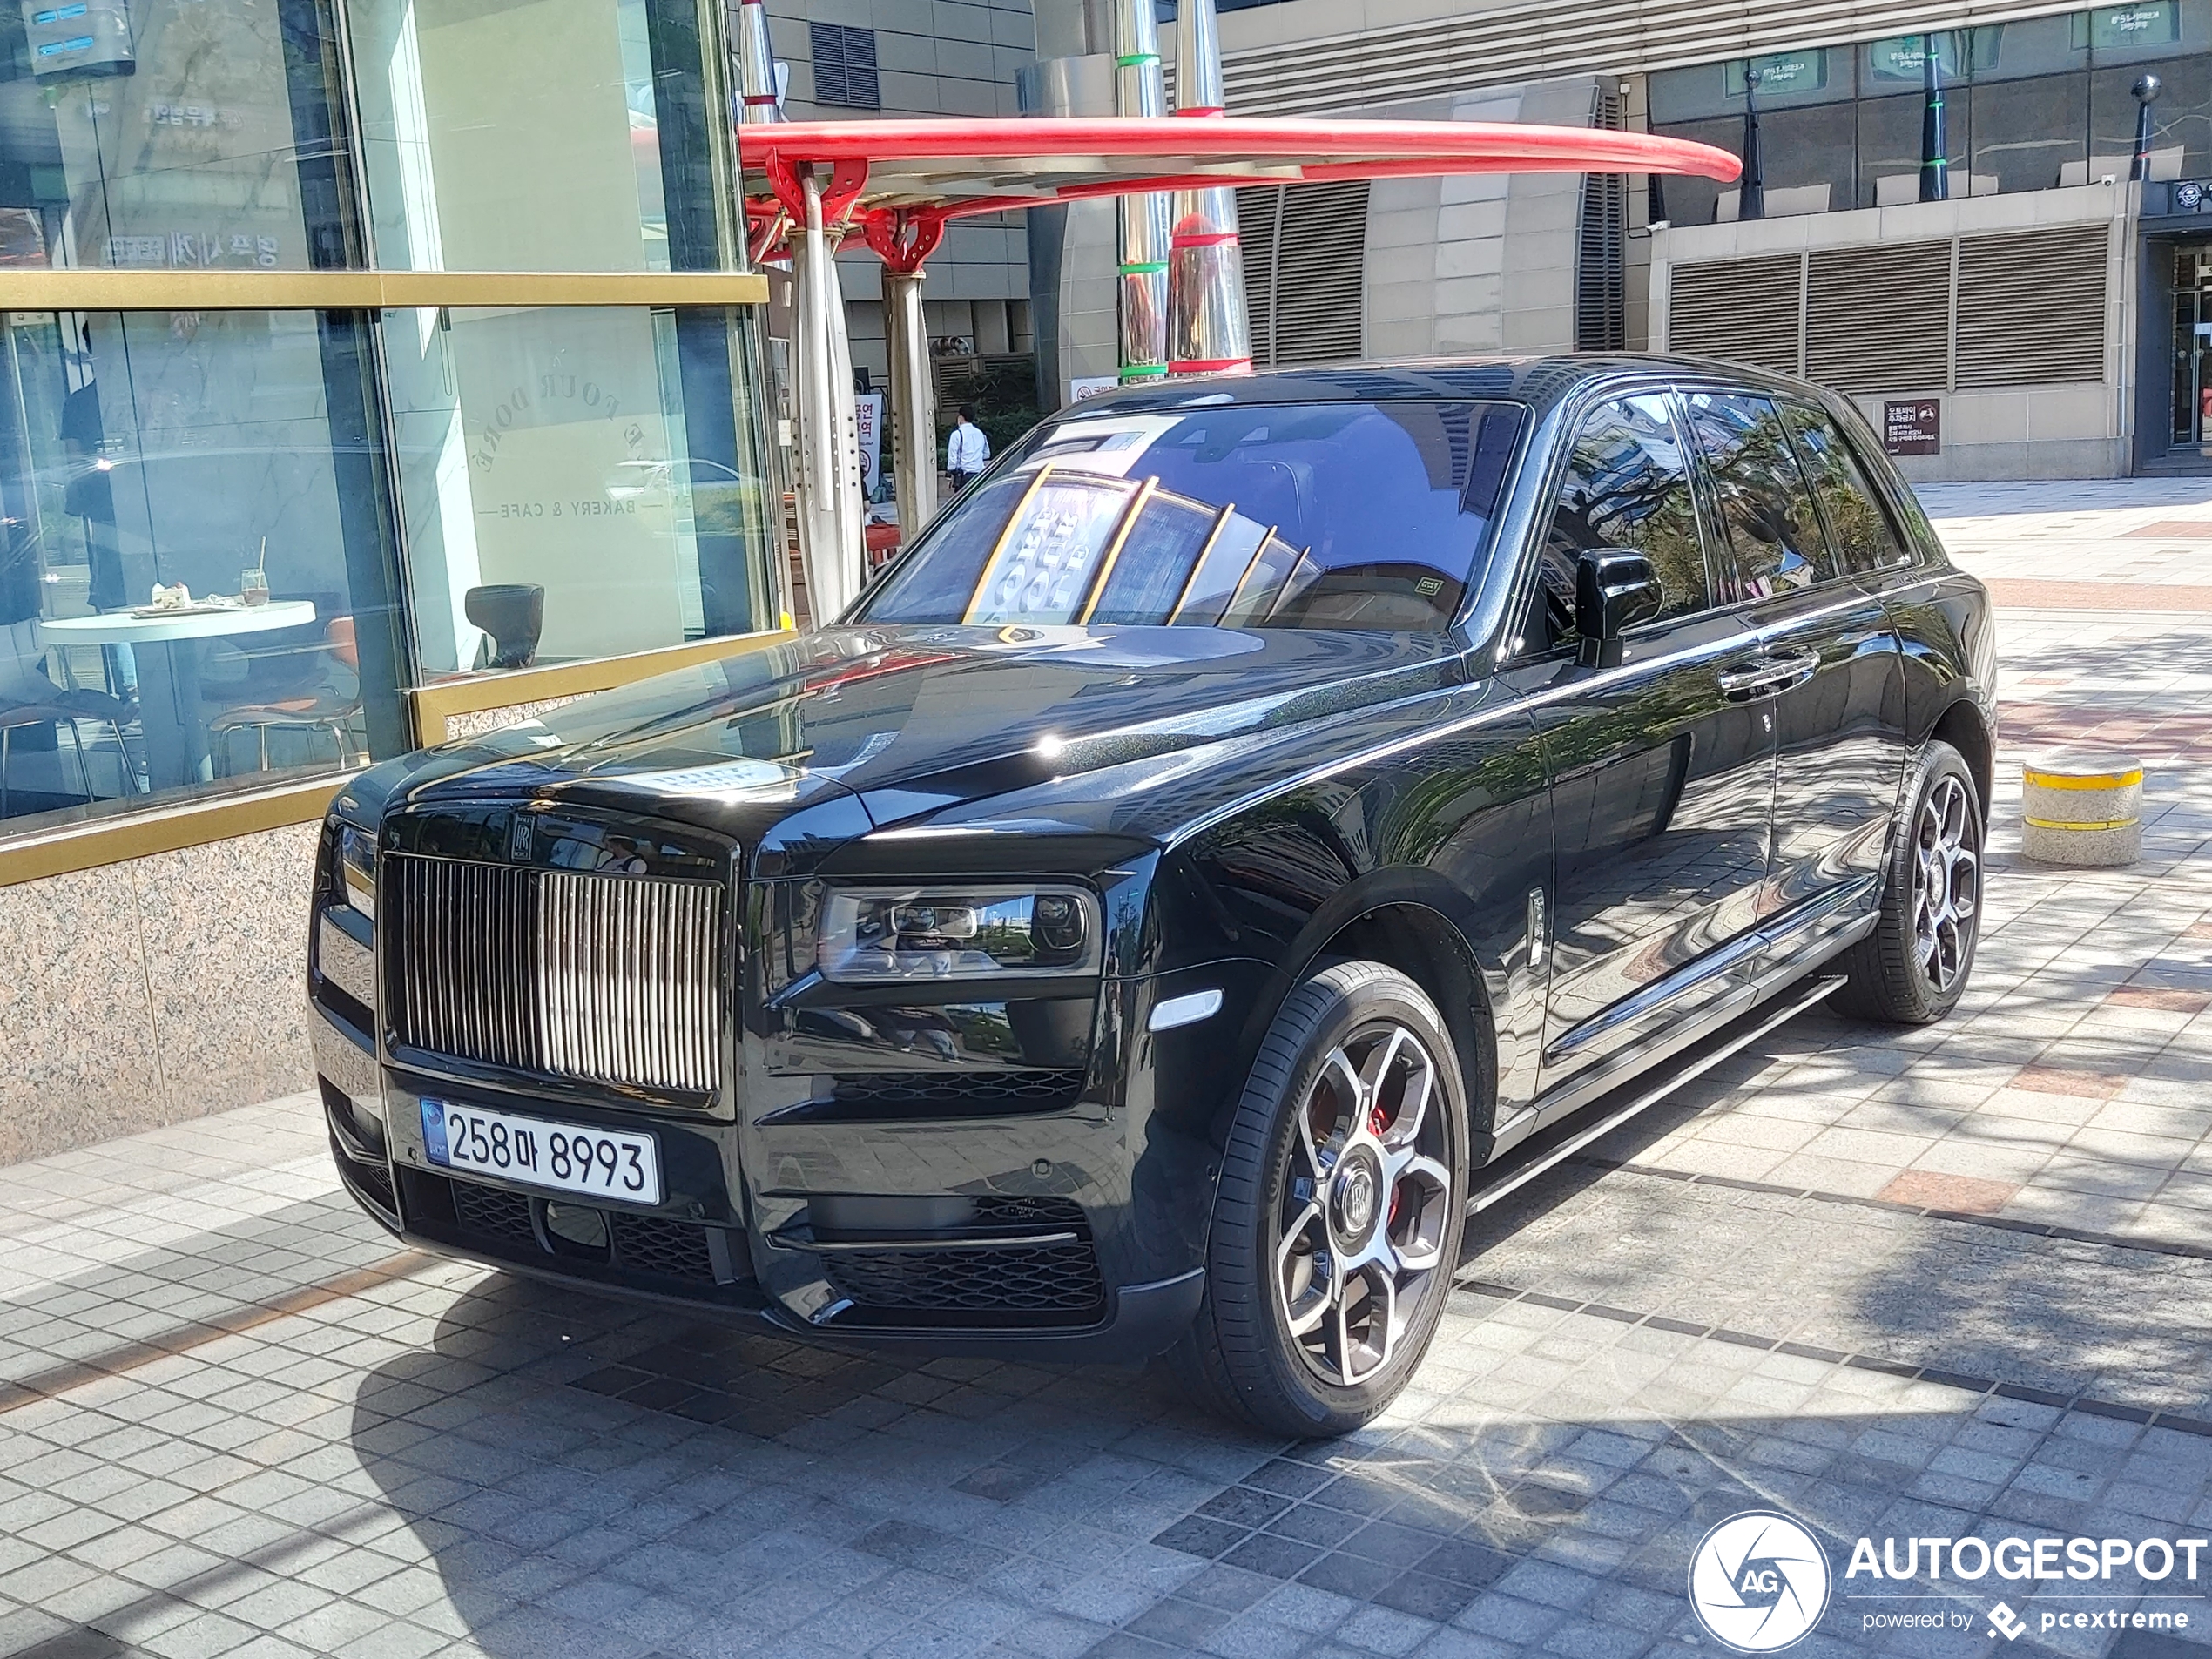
[(153, 990)]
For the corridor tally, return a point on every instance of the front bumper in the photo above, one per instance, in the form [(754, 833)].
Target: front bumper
[(1073, 1232)]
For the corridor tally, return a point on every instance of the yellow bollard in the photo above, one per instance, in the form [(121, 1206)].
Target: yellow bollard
[(2084, 812)]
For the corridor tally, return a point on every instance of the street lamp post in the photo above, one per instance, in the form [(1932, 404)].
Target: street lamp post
[(2146, 89), (1935, 140), (1750, 201)]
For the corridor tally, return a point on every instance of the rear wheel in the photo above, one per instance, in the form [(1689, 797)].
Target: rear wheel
[(1338, 1222), (1912, 968)]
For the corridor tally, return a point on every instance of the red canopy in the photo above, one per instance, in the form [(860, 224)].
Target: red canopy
[(902, 180)]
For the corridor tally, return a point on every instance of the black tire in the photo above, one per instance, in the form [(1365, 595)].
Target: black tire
[(1912, 968), (1241, 1354)]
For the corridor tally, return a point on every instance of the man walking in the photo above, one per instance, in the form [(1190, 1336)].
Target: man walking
[(967, 451)]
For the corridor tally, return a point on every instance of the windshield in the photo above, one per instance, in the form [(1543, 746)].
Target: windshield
[(1333, 516)]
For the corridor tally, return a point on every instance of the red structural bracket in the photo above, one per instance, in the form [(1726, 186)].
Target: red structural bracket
[(848, 177), (904, 237)]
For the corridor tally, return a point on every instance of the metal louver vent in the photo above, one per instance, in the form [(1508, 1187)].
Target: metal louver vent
[(2054, 278), (1509, 45), (1257, 209), (1601, 286), (1745, 310), (1878, 319), (1305, 271)]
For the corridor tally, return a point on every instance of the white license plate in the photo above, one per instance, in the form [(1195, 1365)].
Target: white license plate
[(561, 1157)]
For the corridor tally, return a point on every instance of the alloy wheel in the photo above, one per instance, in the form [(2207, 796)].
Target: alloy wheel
[(1359, 1238), (1946, 883)]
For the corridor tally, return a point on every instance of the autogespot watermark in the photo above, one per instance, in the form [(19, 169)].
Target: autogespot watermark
[(1760, 1581)]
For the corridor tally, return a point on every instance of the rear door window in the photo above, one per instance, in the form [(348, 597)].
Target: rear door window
[(1766, 511), (1627, 485), (1860, 531)]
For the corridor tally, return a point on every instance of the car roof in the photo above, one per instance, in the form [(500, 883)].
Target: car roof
[(1537, 381)]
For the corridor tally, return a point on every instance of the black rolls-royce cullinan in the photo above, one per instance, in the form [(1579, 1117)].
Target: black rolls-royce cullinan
[(1249, 813)]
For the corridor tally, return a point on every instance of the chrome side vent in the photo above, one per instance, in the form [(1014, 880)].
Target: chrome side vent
[(608, 979)]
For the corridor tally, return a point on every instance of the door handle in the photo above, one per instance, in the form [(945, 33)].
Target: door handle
[(1767, 675)]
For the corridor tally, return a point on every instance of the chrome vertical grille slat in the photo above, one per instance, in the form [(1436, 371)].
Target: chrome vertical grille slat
[(607, 979)]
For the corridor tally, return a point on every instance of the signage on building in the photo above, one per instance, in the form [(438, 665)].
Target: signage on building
[(1084, 386), (1904, 57), (1913, 427), (79, 37), (1780, 73), (2158, 23), (868, 410)]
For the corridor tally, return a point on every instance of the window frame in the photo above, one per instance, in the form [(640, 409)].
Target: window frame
[(1874, 493)]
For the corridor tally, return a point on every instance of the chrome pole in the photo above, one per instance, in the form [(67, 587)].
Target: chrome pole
[(756, 64), (829, 528), (1143, 223), (913, 403), (1208, 330)]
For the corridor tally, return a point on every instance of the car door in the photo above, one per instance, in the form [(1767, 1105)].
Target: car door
[(1662, 783), (1824, 674)]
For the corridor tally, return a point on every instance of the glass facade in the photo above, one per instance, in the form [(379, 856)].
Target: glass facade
[(2027, 105), (230, 539)]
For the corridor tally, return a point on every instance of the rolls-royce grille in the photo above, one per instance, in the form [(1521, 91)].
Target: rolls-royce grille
[(610, 979)]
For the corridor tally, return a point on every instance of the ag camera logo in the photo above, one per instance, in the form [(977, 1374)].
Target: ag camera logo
[(1759, 1583)]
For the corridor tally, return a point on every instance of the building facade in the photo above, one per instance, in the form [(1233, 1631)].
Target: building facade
[(2040, 313), (371, 372)]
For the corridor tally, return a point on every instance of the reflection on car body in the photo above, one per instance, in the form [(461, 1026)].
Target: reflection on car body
[(1250, 809)]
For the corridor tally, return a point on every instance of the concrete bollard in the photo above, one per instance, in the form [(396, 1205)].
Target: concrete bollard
[(2081, 811)]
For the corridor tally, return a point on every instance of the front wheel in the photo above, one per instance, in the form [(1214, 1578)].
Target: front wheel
[(1912, 968), (1338, 1222)]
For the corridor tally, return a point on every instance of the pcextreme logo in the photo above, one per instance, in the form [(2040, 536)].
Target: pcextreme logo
[(1759, 1583)]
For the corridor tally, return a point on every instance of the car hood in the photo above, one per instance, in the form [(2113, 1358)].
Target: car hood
[(904, 721)]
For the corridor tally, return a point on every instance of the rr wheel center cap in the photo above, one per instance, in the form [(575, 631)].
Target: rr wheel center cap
[(1355, 1199)]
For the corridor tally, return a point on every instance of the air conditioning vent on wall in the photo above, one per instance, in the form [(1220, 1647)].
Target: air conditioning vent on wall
[(1305, 271), (1876, 318), (2032, 307), (1744, 310)]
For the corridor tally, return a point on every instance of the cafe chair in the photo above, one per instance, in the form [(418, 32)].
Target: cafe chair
[(327, 707), (512, 615), (25, 715)]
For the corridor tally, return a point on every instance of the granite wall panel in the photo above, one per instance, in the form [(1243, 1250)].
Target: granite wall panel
[(156, 989)]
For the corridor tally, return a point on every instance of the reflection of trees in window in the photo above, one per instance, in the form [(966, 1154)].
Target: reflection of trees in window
[(1764, 503), (1626, 488), (1857, 526)]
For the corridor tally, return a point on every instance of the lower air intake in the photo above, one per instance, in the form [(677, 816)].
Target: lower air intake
[(989, 1285)]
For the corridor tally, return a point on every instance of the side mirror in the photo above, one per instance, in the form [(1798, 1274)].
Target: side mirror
[(1613, 592)]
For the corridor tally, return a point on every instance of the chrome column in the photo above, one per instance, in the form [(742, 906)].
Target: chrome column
[(830, 540), (1143, 222), (1208, 330), (913, 403), (756, 64)]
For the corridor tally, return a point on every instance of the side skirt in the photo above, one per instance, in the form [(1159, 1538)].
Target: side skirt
[(1541, 1151)]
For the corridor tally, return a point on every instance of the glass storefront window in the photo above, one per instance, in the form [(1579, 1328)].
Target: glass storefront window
[(194, 560), (514, 170), (575, 483)]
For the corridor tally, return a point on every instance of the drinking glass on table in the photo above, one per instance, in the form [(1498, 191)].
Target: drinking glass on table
[(253, 587)]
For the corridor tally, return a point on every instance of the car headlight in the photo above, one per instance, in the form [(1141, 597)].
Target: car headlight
[(883, 935), (357, 868)]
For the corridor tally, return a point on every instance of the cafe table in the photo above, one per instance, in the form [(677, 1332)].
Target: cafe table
[(170, 650)]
